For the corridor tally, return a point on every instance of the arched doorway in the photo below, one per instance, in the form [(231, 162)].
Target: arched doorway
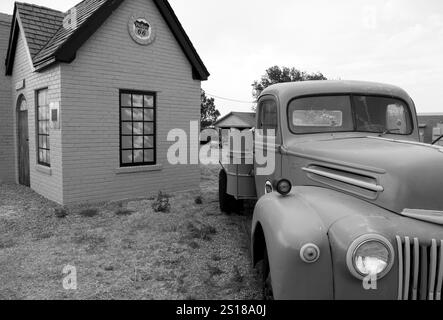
[(23, 141)]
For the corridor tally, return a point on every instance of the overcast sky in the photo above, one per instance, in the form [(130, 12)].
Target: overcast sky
[(392, 41)]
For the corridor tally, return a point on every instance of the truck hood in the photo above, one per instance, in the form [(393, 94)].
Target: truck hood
[(401, 176)]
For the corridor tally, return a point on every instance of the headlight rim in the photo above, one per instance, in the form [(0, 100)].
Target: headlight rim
[(362, 240)]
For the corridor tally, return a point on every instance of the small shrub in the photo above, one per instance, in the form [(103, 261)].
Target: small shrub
[(107, 267), (203, 231), (161, 204), (237, 277), (89, 213), (194, 245), (88, 239), (123, 212), (169, 228), (60, 213), (199, 200), (43, 236), (6, 244), (214, 271), (216, 257)]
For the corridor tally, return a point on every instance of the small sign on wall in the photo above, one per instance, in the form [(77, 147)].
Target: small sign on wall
[(141, 30), (54, 114), (19, 85)]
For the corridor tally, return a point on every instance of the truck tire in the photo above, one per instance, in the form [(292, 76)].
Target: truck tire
[(264, 272), (228, 204)]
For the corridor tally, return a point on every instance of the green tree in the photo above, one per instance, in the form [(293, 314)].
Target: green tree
[(209, 113), (278, 74)]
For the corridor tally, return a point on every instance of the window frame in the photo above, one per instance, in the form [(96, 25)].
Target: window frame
[(153, 135), (351, 96), (261, 112), (38, 134)]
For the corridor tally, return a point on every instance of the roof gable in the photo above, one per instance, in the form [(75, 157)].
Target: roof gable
[(39, 25), (59, 44), (237, 120)]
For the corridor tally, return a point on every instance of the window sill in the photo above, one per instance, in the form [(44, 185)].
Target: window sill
[(127, 170), (43, 169)]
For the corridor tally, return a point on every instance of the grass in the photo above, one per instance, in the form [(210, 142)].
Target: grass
[(125, 250), (201, 231), (124, 212)]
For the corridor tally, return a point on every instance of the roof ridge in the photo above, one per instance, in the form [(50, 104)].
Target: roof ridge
[(38, 6)]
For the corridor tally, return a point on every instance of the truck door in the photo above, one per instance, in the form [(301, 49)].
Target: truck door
[(267, 157)]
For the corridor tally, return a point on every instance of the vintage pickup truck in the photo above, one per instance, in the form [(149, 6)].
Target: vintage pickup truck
[(354, 207)]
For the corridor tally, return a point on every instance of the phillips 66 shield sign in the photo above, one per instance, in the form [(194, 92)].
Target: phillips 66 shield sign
[(141, 30)]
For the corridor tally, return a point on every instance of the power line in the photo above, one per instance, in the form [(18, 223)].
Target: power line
[(229, 99)]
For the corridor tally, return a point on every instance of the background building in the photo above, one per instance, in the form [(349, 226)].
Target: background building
[(431, 127)]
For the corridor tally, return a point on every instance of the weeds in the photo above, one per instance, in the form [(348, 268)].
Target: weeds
[(6, 244), (89, 213), (123, 212), (214, 271), (161, 204), (237, 277), (91, 240), (60, 213), (216, 257), (199, 200), (194, 245), (201, 231)]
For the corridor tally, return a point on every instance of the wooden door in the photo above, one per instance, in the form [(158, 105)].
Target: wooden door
[(23, 148)]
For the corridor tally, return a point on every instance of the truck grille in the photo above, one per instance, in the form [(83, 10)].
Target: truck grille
[(420, 275)]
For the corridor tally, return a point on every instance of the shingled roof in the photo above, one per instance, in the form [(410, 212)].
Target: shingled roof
[(5, 18), (39, 25), (85, 10), (49, 42)]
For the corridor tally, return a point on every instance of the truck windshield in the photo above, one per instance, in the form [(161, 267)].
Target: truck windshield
[(345, 113)]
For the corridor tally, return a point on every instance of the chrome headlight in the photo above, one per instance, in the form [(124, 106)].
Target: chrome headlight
[(370, 255)]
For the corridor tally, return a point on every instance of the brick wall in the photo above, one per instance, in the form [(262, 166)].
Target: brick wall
[(110, 60), (6, 112), (48, 184)]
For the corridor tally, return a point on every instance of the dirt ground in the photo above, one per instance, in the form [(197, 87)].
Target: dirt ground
[(125, 250)]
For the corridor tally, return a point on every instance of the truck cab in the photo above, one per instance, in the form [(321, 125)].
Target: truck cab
[(353, 208)]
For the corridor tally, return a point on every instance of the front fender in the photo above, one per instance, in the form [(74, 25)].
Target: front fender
[(288, 223)]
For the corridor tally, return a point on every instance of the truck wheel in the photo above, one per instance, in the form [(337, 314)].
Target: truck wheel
[(227, 202), (265, 275)]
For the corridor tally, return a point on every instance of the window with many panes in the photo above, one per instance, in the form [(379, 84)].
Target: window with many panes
[(43, 150), (137, 128)]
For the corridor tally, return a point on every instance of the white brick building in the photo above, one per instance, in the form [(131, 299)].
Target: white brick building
[(96, 91)]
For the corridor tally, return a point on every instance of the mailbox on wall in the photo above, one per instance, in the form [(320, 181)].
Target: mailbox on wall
[(54, 109)]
